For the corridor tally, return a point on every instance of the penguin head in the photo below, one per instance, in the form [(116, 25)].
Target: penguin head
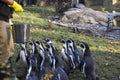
[(39, 44), (32, 46), (31, 42), (70, 40), (23, 45), (51, 47), (63, 41), (48, 45), (47, 40), (83, 45), (71, 43)]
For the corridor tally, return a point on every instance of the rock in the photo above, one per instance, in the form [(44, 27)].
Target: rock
[(85, 14), (87, 19), (113, 34), (80, 5), (96, 29)]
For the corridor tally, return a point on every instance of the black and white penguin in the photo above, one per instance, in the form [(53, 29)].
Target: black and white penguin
[(31, 73), (32, 47), (60, 74), (51, 56), (75, 51), (110, 24), (54, 51), (56, 59), (41, 52), (35, 57), (57, 63), (118, 77), (89, 66), (45, 63), (66, 54), (58, 71), (23, 54), (49, 41)]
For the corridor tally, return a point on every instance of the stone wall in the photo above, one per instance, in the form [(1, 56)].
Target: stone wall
[(93, 2), (101, 2), (107, 2)]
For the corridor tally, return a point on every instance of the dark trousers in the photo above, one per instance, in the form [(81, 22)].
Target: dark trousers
[(6, 42)]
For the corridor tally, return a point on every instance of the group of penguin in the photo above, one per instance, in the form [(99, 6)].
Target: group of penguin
[(41, 57)]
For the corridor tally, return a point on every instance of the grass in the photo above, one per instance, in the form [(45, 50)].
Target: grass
[(106, 52), (107, 8)]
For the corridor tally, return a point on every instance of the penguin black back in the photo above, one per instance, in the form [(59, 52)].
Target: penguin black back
[(88, 63), (86, 50)]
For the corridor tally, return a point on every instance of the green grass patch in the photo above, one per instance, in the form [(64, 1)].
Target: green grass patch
[(106, 52)]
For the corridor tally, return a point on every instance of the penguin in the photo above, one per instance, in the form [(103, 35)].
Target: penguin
[(51, 55), (45, 63), (66, 54), (23, 54), (118, 77), (31, 73), (63, 52), (75, 51), (110, 24), (57, 68), (35, 57), (41, 52), (54, 51), (60, 74), (76, 30), (89, 65), (32, 47), (49, 41)]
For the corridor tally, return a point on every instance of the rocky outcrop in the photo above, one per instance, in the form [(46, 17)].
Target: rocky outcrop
[(84, 18)]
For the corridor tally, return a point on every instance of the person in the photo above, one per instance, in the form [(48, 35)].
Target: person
[(6, 10), (7, 7)]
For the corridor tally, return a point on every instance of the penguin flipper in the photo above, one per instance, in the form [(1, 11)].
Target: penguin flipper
[(81, 65)]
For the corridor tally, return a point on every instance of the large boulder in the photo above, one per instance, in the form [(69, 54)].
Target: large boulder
[(85, 14), (83, 18)]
